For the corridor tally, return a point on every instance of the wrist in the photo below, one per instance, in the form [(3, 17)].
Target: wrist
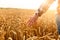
[(36, 15)]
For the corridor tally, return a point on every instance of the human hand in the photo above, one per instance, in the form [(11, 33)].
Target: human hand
[(32, 20)]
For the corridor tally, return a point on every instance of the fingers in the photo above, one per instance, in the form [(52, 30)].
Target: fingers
[(43, 8), (32, 20)]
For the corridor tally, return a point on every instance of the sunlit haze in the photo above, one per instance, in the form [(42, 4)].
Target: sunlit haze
[(24, 4)]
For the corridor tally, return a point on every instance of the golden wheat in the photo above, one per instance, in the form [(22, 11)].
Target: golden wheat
[(13, 25)]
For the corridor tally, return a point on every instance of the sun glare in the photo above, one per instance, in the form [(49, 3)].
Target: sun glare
[(53, 6), (25, 4)]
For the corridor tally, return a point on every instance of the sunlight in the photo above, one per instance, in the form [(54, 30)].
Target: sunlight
[(24, 4), (53, 6)]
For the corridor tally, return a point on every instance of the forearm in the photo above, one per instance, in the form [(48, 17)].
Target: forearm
[(44, 7)]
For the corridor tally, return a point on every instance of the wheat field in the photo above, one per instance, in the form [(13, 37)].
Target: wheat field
[(13, 25)]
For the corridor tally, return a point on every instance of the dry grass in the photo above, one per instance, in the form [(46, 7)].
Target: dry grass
[(13, 25)]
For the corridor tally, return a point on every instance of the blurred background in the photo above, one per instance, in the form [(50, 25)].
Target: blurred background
[(25, 4)]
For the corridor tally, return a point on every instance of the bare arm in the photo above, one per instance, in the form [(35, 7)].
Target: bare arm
[(43, 8)]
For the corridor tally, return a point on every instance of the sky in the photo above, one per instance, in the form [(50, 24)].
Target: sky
[(24, 4)]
